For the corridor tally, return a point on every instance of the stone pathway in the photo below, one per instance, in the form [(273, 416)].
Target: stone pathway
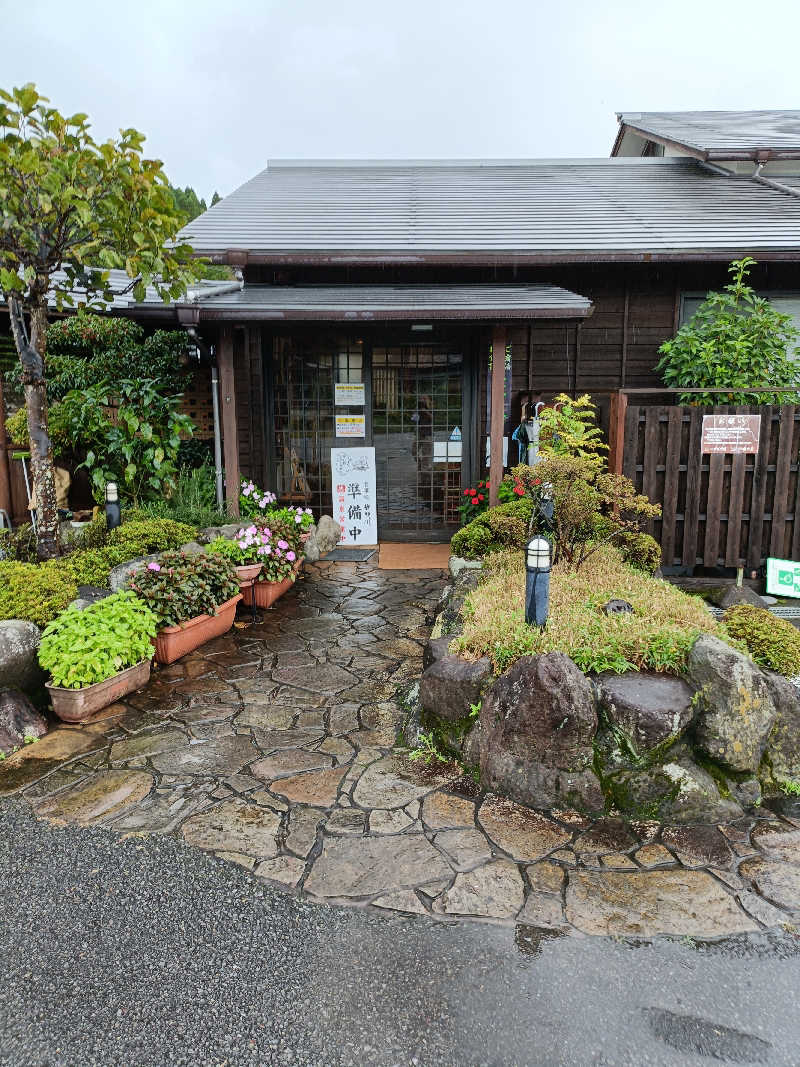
[(272, 747)]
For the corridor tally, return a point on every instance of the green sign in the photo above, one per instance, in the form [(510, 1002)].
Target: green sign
[(783, 577)]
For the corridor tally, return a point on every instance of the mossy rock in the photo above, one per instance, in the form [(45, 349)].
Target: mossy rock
[(772, 642)]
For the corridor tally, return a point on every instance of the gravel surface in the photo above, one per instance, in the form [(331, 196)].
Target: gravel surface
[(147, 952)]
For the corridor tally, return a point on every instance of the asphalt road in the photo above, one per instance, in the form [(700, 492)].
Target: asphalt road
[(146, 952)]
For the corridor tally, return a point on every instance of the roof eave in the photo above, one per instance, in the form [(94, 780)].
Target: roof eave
[(705, 155), (254, 314), (545, 257)]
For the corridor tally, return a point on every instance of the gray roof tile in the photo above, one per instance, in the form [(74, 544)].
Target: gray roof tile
[(719, 132), (560, 208)]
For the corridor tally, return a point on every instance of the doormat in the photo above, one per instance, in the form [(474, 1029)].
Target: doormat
[(413, 557), (350, 555)]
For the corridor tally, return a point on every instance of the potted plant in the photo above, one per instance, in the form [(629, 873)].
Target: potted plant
[(281, 563), (97, 655), (246, 551), (193, 597)]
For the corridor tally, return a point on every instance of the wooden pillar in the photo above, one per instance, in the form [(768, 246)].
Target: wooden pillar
[(5, 470), (498, 411), (230, 439), (616, 432)]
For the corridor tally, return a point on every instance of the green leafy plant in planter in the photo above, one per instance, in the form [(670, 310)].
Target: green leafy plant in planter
[(180, 587), (34, 592), (772, 642), (80, 648)]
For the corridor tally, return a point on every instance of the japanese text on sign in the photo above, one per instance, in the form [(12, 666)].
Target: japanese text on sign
[(730, 434), (347, 393), (354, 498), (350, 426)]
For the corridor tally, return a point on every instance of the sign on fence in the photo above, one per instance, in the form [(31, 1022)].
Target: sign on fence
[(730, 434)]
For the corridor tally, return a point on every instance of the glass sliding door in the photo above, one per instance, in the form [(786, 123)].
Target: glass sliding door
[(417, 429)]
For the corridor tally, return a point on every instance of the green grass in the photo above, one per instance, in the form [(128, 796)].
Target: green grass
[(658, 635)]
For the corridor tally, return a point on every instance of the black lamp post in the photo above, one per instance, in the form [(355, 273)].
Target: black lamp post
[(113, 515), (538, 561)]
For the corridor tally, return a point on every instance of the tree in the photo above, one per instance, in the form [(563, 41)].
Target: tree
[(187, 202), (735, 341), (70, 210), (215, 199)]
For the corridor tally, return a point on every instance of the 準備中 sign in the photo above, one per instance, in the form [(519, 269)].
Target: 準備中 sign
[(354, 494)]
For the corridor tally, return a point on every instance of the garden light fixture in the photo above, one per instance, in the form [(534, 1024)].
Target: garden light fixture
[(113, 514), (538, 560)]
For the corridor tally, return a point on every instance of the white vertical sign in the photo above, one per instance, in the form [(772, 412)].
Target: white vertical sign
[(354, 496)]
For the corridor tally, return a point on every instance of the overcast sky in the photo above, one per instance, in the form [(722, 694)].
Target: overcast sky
[(221, 87)]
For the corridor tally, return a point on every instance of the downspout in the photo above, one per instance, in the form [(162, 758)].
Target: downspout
[(770, 183), (217, 435)]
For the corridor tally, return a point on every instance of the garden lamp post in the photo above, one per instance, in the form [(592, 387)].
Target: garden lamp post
[(113, 515), (538, 557)]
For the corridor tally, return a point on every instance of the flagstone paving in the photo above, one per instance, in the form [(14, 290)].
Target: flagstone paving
[(273, 747)]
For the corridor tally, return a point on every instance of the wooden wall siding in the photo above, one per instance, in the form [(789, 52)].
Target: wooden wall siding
[(731, 511), (196, 403), (250, 413)]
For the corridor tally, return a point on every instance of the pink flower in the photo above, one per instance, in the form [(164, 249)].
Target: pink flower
[(298, 517), (291, 557), (283, 544), (242, 544), (153, 567)]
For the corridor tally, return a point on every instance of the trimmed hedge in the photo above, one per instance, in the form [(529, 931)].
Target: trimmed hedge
[(34, 592), (772, 642)]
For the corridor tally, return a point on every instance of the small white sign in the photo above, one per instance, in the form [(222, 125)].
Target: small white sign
[(354, 495), (783, 577), (489, 449), (348, 394), (351, 426)]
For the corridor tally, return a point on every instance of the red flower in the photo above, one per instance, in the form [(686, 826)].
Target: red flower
[(537, 481), (466, 492), (487, 485), (474, 500), (519, 490), (480, 498), (473, 492)]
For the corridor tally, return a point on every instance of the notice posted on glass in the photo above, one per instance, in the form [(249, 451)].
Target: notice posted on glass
[(354, 495)]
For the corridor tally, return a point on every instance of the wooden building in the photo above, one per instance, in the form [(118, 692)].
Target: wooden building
[(405, 276)]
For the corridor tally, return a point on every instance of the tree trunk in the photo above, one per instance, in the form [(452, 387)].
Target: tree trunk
[(31, 356)]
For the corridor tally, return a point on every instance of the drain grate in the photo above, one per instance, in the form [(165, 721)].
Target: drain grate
[(350, 555)]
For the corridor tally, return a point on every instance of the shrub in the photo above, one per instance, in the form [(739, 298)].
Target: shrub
[(142, 537), (568, 428), (19, 544), (658, 635), (17, 427), (734, 340), (34, 592), (640, 550), (80, 648), (772, 642), (259, 544), (471, 541), (180, 586), (582, 496), (91, 566)]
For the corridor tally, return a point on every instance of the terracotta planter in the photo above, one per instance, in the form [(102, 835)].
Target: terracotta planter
[(75, 705), (268, 592), (247, 572), (175, 641)]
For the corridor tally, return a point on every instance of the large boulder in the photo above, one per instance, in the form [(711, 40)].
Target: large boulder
[(782, 755), (19, 663), (119, 576), (451, 686), (434, 649), (537, 725), (19, 720), (735, 711), (676, 791), (323, 538), (730, 596), (649, 710)]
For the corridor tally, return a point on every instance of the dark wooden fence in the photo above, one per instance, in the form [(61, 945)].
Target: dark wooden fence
[(717, 510)]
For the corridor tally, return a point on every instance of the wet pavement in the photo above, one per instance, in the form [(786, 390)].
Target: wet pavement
[(149, 952), (273, 748)]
